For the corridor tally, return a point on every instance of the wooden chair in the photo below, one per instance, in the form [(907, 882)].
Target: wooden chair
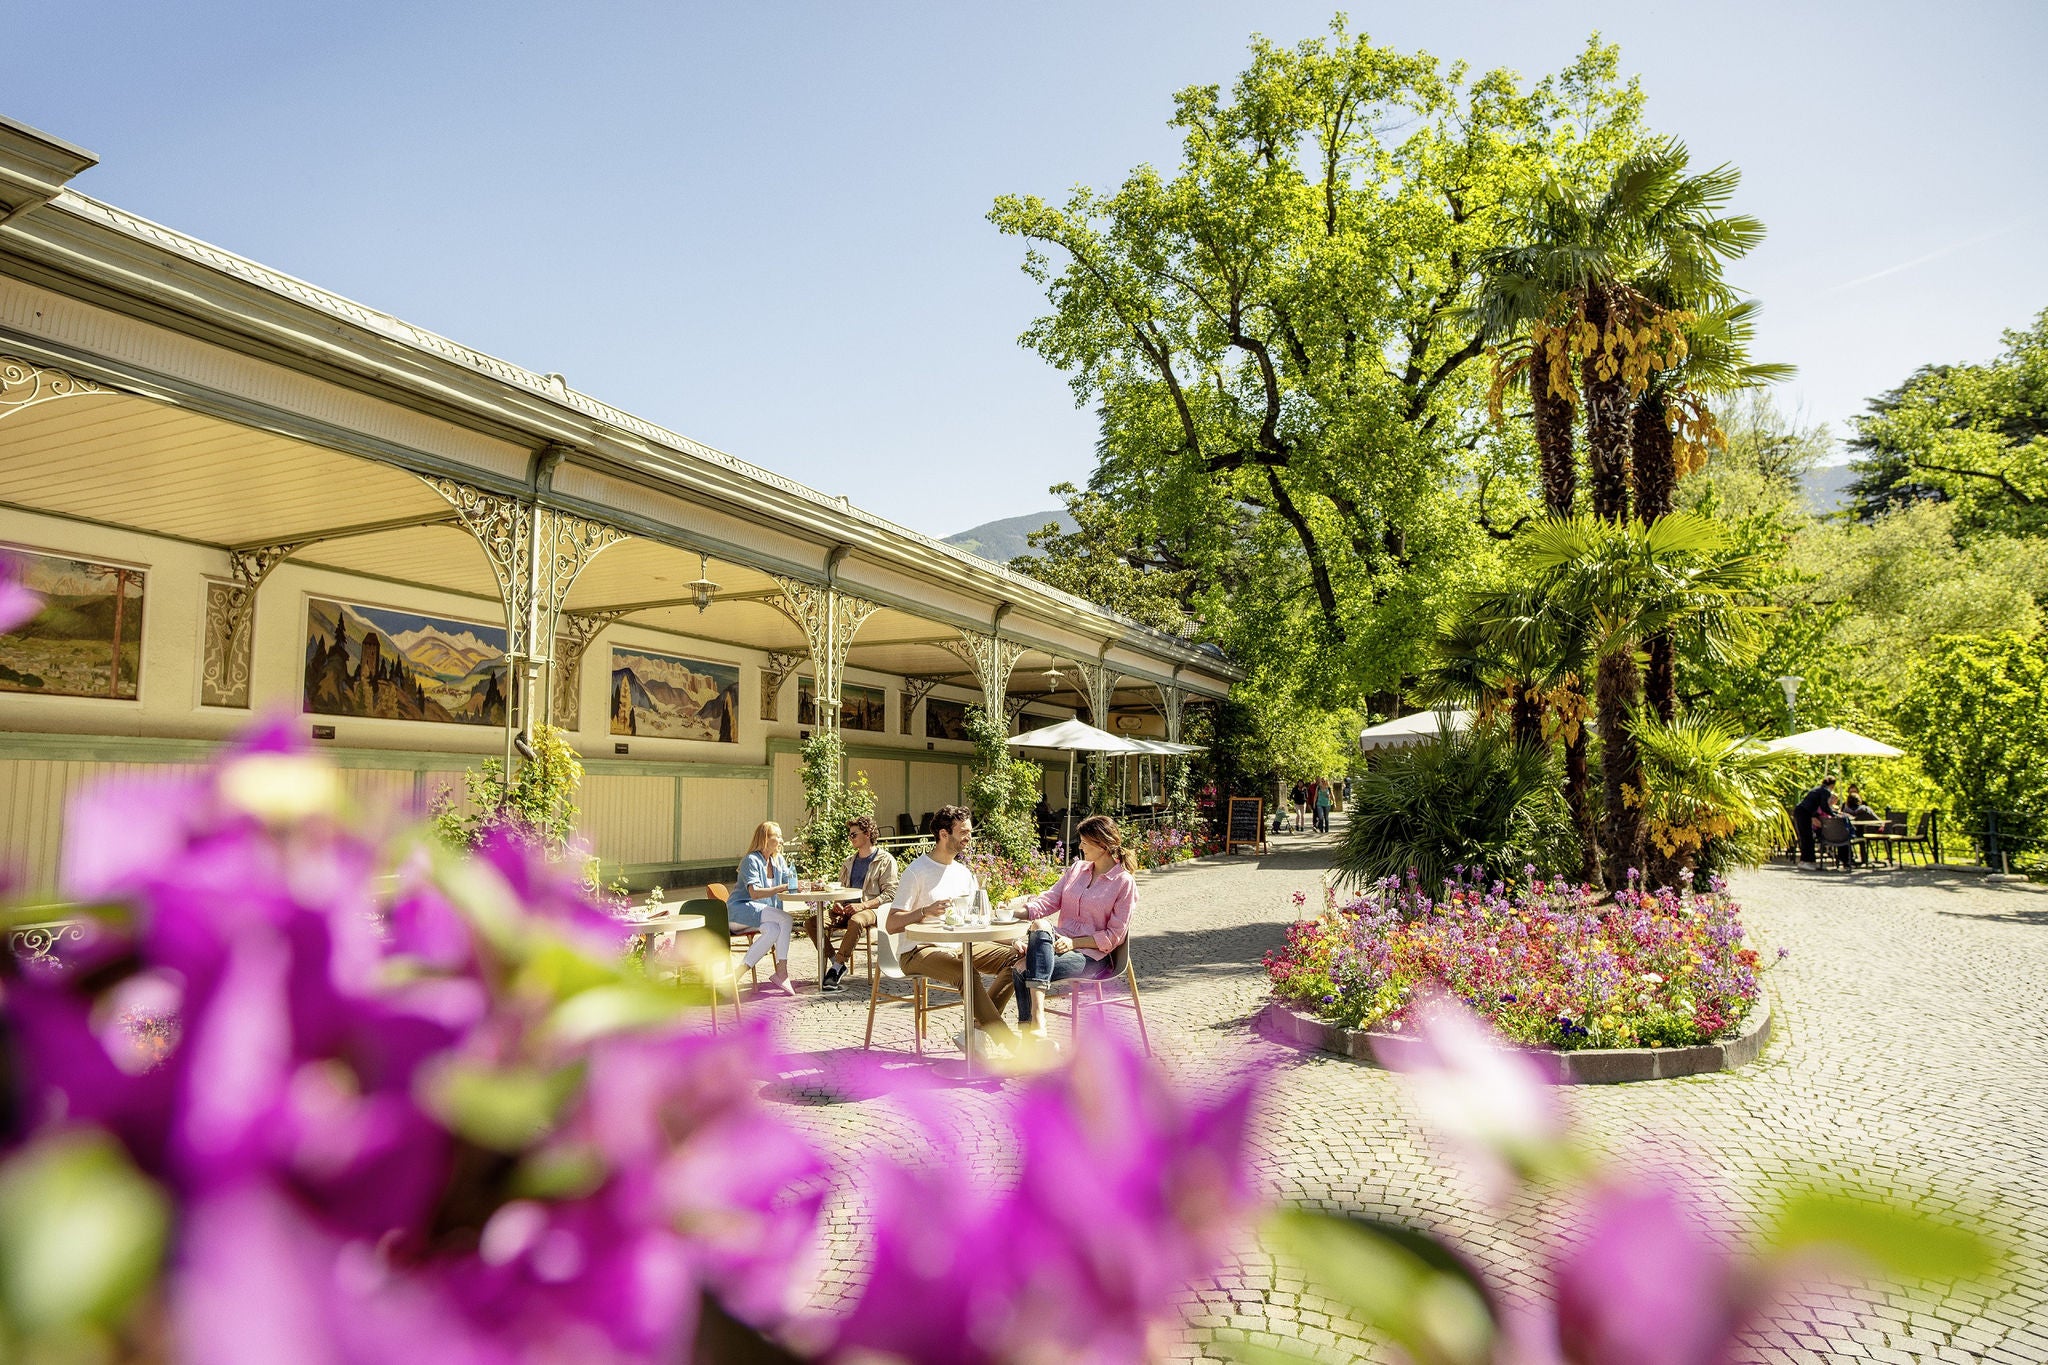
[(716, 926), (905, 826), (882, 969), (740, 939), (1088, 990)]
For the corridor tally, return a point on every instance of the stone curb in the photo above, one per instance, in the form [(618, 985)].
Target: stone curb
[(1594, 1066)]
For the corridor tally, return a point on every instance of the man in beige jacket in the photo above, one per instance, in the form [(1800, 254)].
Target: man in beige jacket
[(874, 871)]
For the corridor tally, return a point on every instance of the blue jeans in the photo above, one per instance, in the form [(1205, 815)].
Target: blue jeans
[(1042, 966)]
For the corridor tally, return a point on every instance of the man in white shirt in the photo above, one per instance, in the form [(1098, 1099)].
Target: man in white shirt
[(927, 886)]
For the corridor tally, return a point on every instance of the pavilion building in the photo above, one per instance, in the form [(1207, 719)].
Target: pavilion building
[(242, 495)]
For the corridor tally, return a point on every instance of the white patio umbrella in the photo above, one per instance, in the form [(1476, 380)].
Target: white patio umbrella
[(1832, 740), (1422, 727), (1074, 736)]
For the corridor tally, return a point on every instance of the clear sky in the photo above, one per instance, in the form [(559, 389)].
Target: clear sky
[(763, 223)]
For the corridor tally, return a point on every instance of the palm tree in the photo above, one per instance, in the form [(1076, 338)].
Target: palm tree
[(1504, 649), (1615, 585), (1715, 362), (1708, 791)]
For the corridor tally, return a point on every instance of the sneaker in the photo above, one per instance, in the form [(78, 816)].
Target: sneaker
[(834, 974)]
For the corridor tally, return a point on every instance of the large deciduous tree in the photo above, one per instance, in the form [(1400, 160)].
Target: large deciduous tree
[(1279, 337)]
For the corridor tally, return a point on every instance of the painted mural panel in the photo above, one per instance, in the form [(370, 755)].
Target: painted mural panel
[(87, 639), (384, 664), (945, 719), (860, 707), (665, 696)]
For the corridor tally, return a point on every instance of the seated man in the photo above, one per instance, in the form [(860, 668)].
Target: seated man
[(874, 871), (927, 886)]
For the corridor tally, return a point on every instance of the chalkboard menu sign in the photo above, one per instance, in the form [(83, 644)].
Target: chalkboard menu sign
[(1247, 823)]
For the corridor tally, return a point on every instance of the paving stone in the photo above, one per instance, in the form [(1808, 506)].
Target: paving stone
[(1905, 1059)]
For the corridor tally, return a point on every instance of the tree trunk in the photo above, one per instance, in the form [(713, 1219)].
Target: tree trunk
[(1607, 426), (1525, 716), (1578, 799), (1557, 463), (1621, 833), (1656, 469)]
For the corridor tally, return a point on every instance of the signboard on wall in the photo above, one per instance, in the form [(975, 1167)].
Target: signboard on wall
[(87, 639)]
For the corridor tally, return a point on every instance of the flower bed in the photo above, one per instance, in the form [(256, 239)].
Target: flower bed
[(1546, 966), (1161, 847)]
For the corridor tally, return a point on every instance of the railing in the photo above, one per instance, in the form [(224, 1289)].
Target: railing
[(2006, 834), (41, 941)]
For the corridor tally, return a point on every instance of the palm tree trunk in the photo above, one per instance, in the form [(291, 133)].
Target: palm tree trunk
[(1578, 800), (1552, 416), (1621, 834), (1607, 425), (1656, 469)]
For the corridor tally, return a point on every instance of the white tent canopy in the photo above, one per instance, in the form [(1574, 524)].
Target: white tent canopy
[(1422, 727), (1833, 740)]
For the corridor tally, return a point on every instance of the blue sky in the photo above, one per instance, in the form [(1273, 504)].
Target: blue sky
[(763, 224)]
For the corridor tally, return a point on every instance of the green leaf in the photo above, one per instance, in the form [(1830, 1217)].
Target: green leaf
[(1887, 1236), (613, 1009), (1402, 1283), (505, 1109), (81, 1233)]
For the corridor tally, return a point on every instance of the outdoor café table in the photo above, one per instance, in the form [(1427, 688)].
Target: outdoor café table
[(838, 895), (1865, 829), (963, 938)]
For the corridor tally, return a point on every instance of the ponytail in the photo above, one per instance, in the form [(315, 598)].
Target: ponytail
[(1102, 830)]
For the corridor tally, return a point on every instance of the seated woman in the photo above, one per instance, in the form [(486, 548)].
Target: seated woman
[(1090, 907), (757, 904)]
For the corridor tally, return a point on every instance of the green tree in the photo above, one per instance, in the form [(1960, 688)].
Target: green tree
[(1977, 716), (1277, 337), (1973, 435)]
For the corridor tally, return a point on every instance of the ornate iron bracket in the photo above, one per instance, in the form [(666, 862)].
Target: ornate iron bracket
[(1170, 700), (575, 634), (535, 553), (915, 690), (829, 619), (780, 666), (230, 626), (993, 659), (23, 384)]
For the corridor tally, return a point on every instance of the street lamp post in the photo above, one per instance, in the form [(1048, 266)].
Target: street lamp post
[(1791, 686)]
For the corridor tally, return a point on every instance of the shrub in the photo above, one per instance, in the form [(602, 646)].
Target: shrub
[(1977, 715), (1545, 965), (539, 809), (1002, 789), (821, 845), (1472, 800)]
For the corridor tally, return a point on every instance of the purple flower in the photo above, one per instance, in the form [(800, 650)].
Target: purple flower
[(17, 603), (1647, 1285), (1127, 1193)]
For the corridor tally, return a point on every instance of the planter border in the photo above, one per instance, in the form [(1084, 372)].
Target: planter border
[(1590, 1066)]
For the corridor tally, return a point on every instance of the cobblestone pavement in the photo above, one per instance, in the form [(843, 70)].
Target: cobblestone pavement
[(1906, 1057)]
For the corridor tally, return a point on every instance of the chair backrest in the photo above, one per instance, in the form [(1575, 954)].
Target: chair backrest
[(719, 892), (905, 825), (885, 948), (716, 920), (1836, 830), (1926, 825), (924, 825)]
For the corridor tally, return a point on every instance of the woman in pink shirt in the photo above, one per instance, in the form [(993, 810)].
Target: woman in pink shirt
[(1091, 907)]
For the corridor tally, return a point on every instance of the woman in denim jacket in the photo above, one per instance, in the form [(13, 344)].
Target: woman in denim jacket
[(756, 903)]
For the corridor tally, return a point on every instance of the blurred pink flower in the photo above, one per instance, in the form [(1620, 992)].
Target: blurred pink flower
[(17, 603)]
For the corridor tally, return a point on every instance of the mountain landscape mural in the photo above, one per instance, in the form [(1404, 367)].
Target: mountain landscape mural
[(399, 665), (664, 696)]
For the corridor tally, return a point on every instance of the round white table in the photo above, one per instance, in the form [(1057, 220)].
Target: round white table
[(818, 900), (935, 932), (668, 925)]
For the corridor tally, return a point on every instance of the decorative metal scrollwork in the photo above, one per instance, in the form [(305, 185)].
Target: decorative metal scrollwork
[(915, 690), (44, 942), (231, 623), (1171, 699), (993, 659), (1099, 681), (23, 384), (829, 619), (780, 666), (577, 631)]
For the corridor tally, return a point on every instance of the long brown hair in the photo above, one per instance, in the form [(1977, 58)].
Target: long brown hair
[(762, 833), (1103, 830)]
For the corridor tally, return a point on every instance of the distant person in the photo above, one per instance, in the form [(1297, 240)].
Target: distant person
[(1324, 797), (1814, 807), (1299, 797), (874, 873), (756, 903), (1854, 806), (938, 879)]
